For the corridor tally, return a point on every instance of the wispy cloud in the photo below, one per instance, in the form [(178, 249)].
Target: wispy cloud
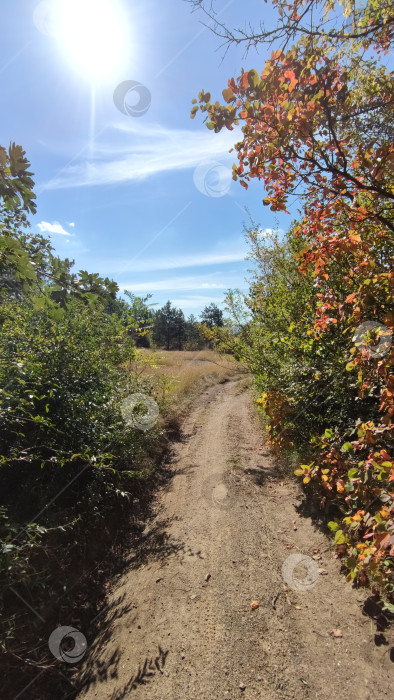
[(175, 261), (175, 283), (144, 152), (55, 227), (71, 223), (194, 302)]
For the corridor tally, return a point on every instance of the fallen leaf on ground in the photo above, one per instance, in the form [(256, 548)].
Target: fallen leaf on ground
[(254, 605), (336, 633)]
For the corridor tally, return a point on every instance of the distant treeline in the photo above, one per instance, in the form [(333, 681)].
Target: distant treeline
[(168, 328)]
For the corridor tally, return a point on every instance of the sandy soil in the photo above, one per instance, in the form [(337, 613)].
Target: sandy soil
[(180, 623)]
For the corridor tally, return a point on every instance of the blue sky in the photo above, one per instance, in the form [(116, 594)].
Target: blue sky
[(130, 196)]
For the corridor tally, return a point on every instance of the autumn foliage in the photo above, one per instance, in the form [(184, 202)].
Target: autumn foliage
[(317, 123)]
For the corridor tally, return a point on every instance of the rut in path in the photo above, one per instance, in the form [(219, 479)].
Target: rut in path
[(181, 625)]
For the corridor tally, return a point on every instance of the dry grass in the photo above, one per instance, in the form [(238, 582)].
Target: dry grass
[(178, 376)]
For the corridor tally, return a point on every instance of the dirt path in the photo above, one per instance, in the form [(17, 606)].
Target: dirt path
[(181, 626)]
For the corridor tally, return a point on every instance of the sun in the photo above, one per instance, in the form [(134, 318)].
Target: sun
[(93, 36)]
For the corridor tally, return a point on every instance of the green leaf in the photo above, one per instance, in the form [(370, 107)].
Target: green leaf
[(347, 446), (340, 538), (253, 78), (389, 607)]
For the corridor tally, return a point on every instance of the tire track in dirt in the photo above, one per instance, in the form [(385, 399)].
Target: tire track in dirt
[(181, 625)]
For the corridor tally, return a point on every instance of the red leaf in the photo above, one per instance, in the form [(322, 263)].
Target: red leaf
[(245, 81)]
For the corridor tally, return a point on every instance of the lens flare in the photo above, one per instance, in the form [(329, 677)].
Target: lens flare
[(92, 35)]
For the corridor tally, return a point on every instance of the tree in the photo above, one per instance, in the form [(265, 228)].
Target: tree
[(212, 316), (16, 183), (193, 338), (141, 316), (368, 23), (169, 327)]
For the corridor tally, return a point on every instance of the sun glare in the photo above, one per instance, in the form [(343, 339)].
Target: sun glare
[(92, 34)]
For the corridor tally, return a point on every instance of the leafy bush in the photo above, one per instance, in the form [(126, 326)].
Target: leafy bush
[(68, 460)]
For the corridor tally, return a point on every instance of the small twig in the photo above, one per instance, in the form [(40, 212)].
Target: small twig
[(274, 600), (320, 634)]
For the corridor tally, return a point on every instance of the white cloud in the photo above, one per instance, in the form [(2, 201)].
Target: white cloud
[(71, 223), (55, 227), (147, 151)]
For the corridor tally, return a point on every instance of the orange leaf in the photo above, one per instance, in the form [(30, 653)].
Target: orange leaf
[(350, 298), (228, 94), (276, 54)]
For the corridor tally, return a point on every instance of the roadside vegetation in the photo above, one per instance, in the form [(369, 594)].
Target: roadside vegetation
[(75, 475), (317, 125), (315, 331)]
